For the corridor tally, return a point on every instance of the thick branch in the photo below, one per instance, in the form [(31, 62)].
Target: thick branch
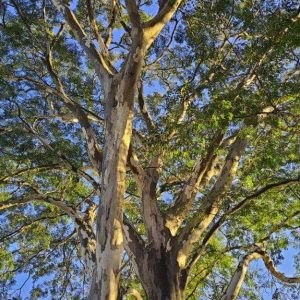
[(137, 170), (87, 244), (133, 14), (151, 214), (238, 278), (211, 204), (133, 244), (183, 203), (154, 26)]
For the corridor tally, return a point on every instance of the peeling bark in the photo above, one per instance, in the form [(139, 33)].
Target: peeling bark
[(119, 91), (110, 220)]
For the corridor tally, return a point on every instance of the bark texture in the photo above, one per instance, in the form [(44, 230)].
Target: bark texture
[(119, 94), (161, 277)]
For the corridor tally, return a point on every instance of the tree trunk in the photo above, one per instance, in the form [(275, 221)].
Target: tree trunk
[(118, 127), (161, 278)]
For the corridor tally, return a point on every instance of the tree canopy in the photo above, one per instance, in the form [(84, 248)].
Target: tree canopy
[(156, 139)]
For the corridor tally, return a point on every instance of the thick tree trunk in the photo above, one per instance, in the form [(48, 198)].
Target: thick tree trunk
[(119, 91), (161, 278), (118, 129)]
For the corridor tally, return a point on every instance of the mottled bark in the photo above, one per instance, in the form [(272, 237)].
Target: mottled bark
[(151, 214), (119, 91), (109, 223), (156, 267)]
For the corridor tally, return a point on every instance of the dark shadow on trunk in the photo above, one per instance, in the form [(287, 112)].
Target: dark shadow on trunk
[(161, 276)]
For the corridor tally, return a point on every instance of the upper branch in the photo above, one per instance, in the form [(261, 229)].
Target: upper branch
[(156, 24), (91, 14), (133, 244), (94, 151), (237, 280), (100, 63), (16, 201), (151, 213), (260, 191), (133, 13), (270, 266), (136, 168)]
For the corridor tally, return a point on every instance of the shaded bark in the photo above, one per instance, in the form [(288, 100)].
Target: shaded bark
[(161, 277)]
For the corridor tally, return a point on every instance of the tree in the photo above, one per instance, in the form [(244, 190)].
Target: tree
[(148, 154)]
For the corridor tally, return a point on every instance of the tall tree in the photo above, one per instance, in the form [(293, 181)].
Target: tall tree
[(148, 148)]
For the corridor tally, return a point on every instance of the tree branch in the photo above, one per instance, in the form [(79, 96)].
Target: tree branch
[(94, 151), (217, 225), (156, 24), (60, 155), (137, 170), (178, 212), (237, 280), (143, 108), (133, 244), (92, 19), (151, 213), (211, 204), (102, 67), (16, 201), (270, 266), (133, 13)]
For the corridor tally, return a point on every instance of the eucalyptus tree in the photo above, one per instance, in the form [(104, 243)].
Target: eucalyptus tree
[(148, 148)]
